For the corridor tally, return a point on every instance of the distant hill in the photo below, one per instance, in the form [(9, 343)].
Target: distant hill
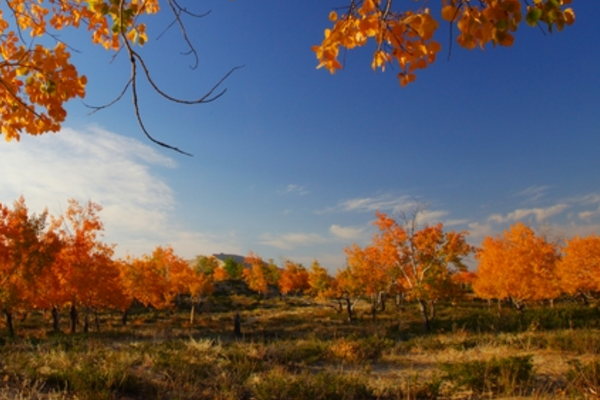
[(222, 256)]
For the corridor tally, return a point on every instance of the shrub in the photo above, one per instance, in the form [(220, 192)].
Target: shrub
[(498, 375), (584, 379)]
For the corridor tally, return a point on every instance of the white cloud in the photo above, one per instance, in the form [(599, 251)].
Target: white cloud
[(117, 172), (540, 214), (371, 204), (533, 193), (291, 240), (347, 232), (300, 190)]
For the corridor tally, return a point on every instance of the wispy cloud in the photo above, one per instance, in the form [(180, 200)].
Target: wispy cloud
[(540, 214), (294, 189), (371, 204), (291, 240), (533, 193), (117, 172), (347, 232)]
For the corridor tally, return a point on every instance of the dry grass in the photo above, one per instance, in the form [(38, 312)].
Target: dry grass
[(294, 350)]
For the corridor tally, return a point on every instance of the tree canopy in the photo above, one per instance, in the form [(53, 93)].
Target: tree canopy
[(37, 78)]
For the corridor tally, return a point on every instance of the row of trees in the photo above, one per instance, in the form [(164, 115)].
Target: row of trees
[(57, 263)]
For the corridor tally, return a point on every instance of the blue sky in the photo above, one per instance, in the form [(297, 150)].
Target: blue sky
[(293, 162)]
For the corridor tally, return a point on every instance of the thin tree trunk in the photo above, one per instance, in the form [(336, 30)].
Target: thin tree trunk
[(73, 316), (55, 319), (431, 309), (124, 317), (97, 320), (193, 313), (349, 309), (424, 315), (381, 300), (237, 325), (86, 321), (374, 306), (9, 322)]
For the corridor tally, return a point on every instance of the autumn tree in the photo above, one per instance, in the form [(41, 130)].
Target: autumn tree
[(88, 276), (319, 281), (293, 279), (579, 268), (405, 37), (38, 78), (420, 260), (199, 284), (518, 265), (205, 264), (28, 247), (233, 268), (254, 276)]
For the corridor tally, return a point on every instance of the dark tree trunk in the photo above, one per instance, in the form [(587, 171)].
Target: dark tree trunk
[(73, 316), (55, 319), (431, 309), (124, 317), (400, 301), (97, 320), (374, 306), (237, 325), (424, 315), (349, 309), (381, 300), (193, 313), (9, 322), (86, 321)]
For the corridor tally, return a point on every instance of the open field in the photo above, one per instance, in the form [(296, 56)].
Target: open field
[(296, 349)]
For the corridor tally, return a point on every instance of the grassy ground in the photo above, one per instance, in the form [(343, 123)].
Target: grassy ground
[(292, 349)]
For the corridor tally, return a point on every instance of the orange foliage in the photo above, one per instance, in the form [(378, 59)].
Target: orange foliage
[(519, 265), (319, 281), (84, 267), (28, 246), (255, 275), (220, 274), (405, 37), (579, 268), (420, 261), (293, 279), (36, 80)]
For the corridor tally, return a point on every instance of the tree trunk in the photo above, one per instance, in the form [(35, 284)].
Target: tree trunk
[(374, 306), (193, 313), (55, 321), (97, 320), (9, 322), (381, 300), (124, 317), (73, 316), (349, 309), (237, 325), (86, 321), (400, 301), (424, 315), (431, 309)]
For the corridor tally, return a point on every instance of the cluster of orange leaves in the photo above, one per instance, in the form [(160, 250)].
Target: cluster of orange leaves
[(63, 262), (524, 266), (406, 37), (37, 80)]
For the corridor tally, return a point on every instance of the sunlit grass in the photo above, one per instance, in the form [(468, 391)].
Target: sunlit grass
[(292, 349)]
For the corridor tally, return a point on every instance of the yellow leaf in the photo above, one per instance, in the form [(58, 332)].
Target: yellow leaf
[(449, 13)]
